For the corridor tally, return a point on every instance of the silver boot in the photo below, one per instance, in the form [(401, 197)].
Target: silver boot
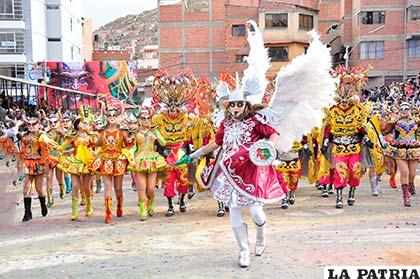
[(374, 186), (241, 235), (260, 244)]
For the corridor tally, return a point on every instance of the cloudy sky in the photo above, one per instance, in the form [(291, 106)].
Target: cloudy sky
[(104, 11)]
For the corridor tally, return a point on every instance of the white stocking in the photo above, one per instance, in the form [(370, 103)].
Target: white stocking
[(257, 214), (236, 217)]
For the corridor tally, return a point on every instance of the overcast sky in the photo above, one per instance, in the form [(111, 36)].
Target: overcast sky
[(104, 11)]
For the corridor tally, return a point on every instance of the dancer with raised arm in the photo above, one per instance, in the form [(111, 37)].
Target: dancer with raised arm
[(243, 175)]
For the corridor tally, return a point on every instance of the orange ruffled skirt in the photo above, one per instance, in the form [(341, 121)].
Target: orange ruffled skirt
[(33, 167), (147, 162), (109, 165)]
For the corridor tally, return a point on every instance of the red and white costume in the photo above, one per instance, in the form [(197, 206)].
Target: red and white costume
[(236, 180)]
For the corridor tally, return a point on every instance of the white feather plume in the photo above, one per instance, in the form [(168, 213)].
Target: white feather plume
[(222, 91), (254, 81), (303, 88)]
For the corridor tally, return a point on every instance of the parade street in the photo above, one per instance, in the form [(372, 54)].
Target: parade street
[(301, 240)]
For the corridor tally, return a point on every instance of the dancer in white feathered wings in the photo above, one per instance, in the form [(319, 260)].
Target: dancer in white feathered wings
[(248, 136)]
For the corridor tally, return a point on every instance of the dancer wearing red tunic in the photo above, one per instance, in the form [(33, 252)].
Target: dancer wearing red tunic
[(243, 175), (235, 180)]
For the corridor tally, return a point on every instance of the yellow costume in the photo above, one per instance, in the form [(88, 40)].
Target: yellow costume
[(76, 154), (146, 159)]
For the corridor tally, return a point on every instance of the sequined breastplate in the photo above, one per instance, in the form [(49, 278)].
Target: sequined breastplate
[(113, 141), (405, 131), (346, 123), (30, 147), (147, 143)]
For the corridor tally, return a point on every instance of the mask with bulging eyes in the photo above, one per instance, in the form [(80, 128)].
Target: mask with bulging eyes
[(237, 109)]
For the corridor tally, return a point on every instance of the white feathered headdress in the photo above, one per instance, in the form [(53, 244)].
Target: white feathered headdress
[(253, 84)]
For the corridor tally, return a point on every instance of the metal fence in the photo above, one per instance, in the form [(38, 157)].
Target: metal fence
[(33, 93)]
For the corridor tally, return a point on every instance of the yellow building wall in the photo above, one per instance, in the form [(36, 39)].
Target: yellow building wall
[(291, 33), (295, 49)]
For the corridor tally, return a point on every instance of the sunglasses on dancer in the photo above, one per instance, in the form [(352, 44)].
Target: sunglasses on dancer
[(112, 115), (238, 104)]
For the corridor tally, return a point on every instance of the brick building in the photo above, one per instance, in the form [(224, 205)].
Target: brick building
[(383, 34), (207, 36), (104, 55)]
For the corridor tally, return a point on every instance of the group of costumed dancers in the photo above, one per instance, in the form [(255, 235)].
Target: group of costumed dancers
[(248, 141)]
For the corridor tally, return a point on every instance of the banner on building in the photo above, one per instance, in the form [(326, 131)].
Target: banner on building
[(114, 81)]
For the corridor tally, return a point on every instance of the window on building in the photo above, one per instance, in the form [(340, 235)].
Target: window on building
[(275, 20), (53, 7), (12, 70), (54, 39), (306, 22), (7, 43), (372, 17), (71, 24), (279, 53), (413, 48), (240, 58), (371, 50), (238, 30), (72, 52), (6, 7), (305, 50), (415, 13)]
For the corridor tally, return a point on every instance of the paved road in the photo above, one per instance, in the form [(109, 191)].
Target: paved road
[(197, 244)]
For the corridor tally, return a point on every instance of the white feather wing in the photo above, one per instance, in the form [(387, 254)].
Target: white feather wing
[(254, 80), (303, 88)]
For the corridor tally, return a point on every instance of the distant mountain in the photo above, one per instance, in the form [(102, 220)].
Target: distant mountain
[(131, 31)]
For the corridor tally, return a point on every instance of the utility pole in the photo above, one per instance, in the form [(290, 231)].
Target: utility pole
[(405, 58)]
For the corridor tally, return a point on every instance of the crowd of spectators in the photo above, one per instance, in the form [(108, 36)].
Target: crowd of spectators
[(11, 107), (410, 88)]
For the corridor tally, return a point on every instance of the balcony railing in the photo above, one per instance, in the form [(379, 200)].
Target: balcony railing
[(13, 11)]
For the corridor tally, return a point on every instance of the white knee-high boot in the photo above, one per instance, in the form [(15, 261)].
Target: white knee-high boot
[(259, 218), (240, 229), (241, 235)]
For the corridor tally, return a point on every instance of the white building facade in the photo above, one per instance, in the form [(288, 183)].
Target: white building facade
[(12, 38), (150, 58), (38, 30)]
